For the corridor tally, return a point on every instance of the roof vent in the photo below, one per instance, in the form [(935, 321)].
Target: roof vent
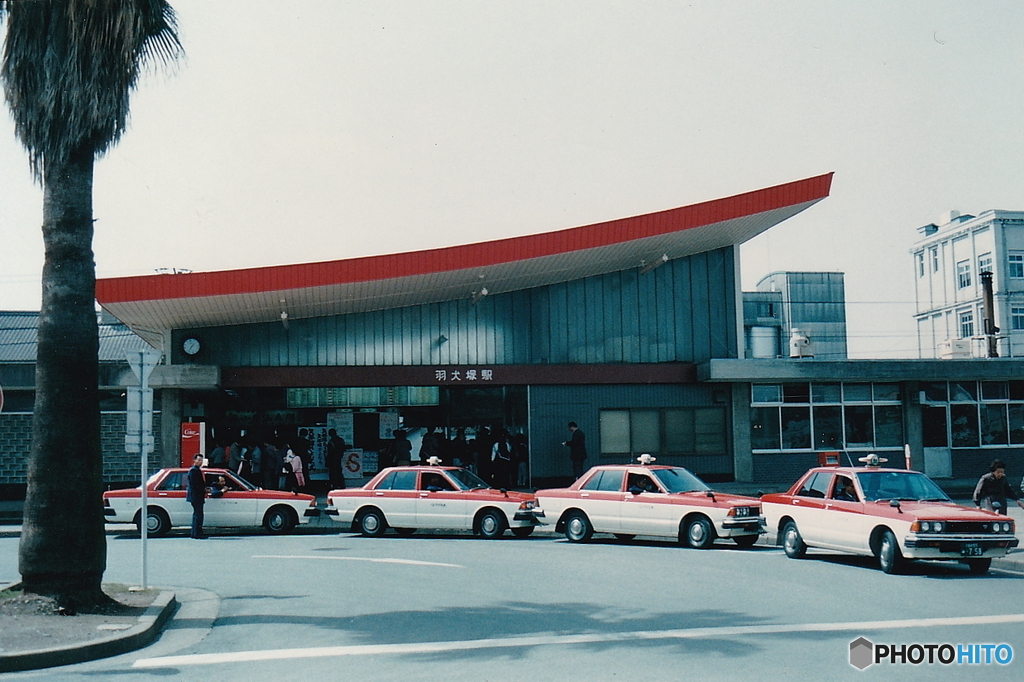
[(948, 217)]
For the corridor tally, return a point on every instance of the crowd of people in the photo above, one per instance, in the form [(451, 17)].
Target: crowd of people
[(272, 464), (497, 456)]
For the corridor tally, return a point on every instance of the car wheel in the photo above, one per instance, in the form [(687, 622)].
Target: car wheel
[(624, 537), (279, 520), (792, 544), (522, 531), (890, 558), (978, 566), (405, 532), (699, 533), (745, 540), (157, 523), (491, 524), (578, 528), (372, 523)]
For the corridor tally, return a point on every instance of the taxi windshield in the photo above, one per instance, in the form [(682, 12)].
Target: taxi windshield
[(464, 479), (899, 485), (679, 480)]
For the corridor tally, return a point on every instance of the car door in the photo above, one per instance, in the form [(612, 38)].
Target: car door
[(169, 495), (236, 507), (440, 504), (807, 507), (396, 496), (600, 497), (649, 511), (848, 527)]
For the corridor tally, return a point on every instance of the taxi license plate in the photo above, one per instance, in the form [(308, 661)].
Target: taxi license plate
[(971, 549)]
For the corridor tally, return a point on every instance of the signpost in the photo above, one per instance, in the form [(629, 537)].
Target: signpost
[(139, 430)]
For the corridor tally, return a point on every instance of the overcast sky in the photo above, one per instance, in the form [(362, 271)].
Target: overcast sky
[(304, 131)]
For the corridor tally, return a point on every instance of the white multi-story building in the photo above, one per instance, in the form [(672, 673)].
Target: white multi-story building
[(948, 262)]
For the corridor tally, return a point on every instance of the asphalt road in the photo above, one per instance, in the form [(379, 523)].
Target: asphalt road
[(341, 607)]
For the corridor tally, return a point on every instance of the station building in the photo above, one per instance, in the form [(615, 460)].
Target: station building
[(636, 329)]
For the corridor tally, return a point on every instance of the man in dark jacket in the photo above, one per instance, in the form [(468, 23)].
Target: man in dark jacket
[(577, 449), (195, 494)]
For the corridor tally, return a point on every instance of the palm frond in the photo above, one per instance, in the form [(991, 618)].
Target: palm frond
[(69, 67)]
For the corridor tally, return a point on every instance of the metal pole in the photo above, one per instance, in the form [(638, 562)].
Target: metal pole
[(143, 455)]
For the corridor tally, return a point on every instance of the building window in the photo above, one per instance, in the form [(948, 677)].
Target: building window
[(920, 265), (826, 416), (935, 258), (1015, 265), (666, 431), (966, 324), (1017, 318), (963, 274), (985, 263)]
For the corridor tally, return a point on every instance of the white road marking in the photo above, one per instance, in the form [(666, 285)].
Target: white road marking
[(410, 562), (548, 640)]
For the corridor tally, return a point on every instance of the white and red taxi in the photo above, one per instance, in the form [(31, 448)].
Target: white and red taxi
[(647, 499), (409, 497), (240, 504), (892, 514)]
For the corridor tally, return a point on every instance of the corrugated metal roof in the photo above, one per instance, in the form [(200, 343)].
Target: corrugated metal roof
[(18, 339), (153, 304)]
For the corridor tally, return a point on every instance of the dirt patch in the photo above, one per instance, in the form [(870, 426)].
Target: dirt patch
[(31, 622)]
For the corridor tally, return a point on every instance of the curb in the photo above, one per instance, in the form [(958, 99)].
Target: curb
[(141, 634)]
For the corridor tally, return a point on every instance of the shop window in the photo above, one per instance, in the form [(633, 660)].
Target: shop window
[(993, 425), (888, 426), (859, 431), (764, 428), (963, 425), (828, 427), (1016, 389), (933, 427), (796, 428)]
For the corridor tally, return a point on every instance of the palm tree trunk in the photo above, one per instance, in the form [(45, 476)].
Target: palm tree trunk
[(63, 543)]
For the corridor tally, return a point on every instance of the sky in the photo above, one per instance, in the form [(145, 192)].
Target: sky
[(305, 131)]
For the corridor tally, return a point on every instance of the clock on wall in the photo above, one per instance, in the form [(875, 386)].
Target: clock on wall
[(191, 345)]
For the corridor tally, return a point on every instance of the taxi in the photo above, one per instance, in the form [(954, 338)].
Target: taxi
[(892, 514), (649, 499), (239, 505), (408, 498)]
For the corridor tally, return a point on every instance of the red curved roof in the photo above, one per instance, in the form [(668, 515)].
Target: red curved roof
[(152, 303)]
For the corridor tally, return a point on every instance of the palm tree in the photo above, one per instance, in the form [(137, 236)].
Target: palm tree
[(68, 69)]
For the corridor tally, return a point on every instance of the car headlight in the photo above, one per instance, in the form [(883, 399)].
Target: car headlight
[(744, 511), (528, 504), (928, 526)]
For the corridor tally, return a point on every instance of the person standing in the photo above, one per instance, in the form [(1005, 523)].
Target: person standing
[(993, 489), (577, 445), (335, 453), (195, 494)]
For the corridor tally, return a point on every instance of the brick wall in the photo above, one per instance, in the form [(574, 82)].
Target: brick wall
[(119, 467)]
